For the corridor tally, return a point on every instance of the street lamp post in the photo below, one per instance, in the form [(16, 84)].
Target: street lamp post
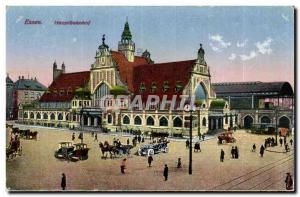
[(191, 140), (276, 126)]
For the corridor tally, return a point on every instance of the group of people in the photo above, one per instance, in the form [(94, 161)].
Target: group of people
[(234, 152)]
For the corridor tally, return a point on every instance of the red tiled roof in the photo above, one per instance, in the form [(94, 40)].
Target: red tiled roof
[(65, 85), (173, 72), (126, 68)]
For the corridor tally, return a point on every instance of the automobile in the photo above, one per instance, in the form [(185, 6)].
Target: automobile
[(226, 137), (80, 152), (64, 151), (151, 149)]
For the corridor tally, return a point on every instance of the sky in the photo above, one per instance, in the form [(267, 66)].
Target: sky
[(240, 43)]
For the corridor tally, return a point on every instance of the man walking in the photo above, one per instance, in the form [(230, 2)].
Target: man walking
[(262, 150), (289, 181), (96, 137), (280, 141), (232, 152), (150, 159), (222, 155), (291, 141), (123, 166), (63, 181), (166, 172)]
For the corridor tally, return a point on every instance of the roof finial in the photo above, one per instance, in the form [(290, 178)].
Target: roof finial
[(103, 39)]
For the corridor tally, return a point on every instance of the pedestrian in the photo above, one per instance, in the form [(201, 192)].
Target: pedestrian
[(143, 139), (289, 181), (262, 150), (187, 143), (284, 140), (179, 163), (236, 152), (63, 181), (266, 143), (96, 137), (286, 147), (272, 142), (222, 155), (203, 136), (253, 148), (128, 141), (123, 166), (73, 136), (280, 141), (139, 139), (150, 159), (291, 141), (166, 172), (232, 152)]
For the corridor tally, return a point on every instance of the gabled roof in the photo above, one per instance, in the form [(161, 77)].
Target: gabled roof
[(126, 68), (9, 80), (172, 73), (29, 84), (275, 88), (64, 86)]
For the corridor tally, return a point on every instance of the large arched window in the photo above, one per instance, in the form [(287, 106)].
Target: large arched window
[(109, 118), (200, 92), (52, 117), (150, 121), (101, 91), (163, 122), (38, 115), (126, 120), (137, 120), (60, 116), (177, 122), (31, 115), (45, 116), (204, 122)]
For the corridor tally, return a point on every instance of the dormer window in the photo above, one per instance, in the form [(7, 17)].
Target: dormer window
[(178, 86), (61, 92), (142, 87), (153, 87), (166, 86)]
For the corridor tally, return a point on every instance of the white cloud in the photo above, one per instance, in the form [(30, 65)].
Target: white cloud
[(252, 55), (232, 56), (74, 39), (217, 43), (19, 19), (242, 44), (264, 47), (286, 18), (214, 48)]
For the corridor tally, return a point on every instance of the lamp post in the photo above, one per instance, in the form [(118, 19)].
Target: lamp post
[(276, 126), (190, 109)]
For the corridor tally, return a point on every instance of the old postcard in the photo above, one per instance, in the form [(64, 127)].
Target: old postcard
[(127, 99)]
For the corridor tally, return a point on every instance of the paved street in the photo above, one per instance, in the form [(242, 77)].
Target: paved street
[(38, 169)]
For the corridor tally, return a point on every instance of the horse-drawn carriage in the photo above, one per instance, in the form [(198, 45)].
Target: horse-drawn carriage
[(68, 151), (114, 150), (151, 149), (226, 137), (25, 133), (14, 148)]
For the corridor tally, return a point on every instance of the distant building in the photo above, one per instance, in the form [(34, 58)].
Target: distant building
[(22, 92)]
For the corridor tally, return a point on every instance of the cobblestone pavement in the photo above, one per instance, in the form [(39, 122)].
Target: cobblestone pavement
[(38, 169)]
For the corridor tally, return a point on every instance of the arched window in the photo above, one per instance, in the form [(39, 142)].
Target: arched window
[(101, 91), (52, 117), (25, 115), (109, 118), (60, 116), (200, 92), (38, 116), (31, 115), (177, 122), (45, 116), (137, 120), (163, 122), (265, 119), (204, 122), (150, 121), (126, 120)]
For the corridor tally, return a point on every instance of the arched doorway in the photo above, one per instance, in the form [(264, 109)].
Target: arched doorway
[(265, 119), (248, 121), (284, 122)]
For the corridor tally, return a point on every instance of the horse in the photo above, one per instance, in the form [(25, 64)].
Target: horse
[(107, 148)]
